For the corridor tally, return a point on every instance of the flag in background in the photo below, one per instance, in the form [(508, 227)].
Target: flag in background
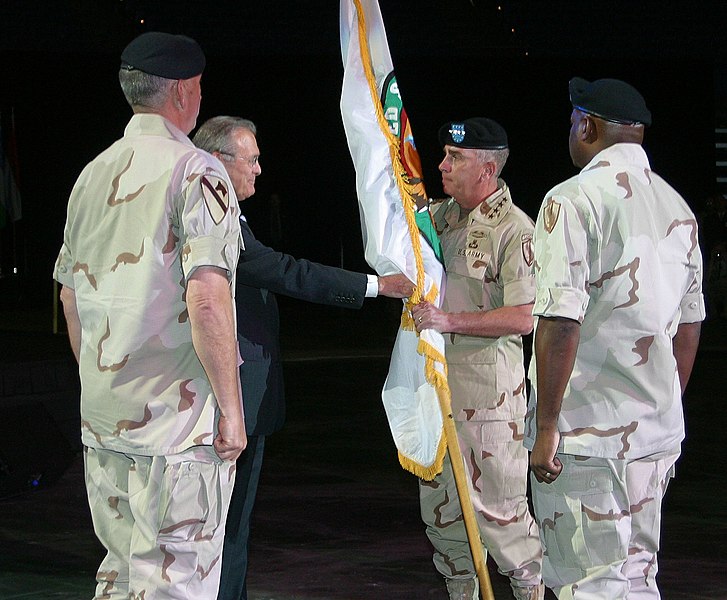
[(397, 231), (10, 204)]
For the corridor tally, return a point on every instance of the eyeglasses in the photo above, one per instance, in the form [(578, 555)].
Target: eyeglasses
[(251, 161)]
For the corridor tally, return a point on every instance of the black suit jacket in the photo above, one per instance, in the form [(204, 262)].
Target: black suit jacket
[(261, 273)]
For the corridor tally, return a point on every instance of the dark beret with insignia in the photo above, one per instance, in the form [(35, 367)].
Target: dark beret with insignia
[(610, 99), (164, 55), (478, 132)]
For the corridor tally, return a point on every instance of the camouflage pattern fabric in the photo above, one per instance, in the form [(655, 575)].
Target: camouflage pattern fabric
[(496, 463), (488, 259), (162, 534), (141, 218), (616, 249), (600, 522)]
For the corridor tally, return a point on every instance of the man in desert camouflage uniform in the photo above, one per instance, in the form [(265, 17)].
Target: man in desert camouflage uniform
[(619, 304), (147, 267), (487, 308)]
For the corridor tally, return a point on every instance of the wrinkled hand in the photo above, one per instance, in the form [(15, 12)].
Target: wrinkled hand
[(395, 286), (231, 438), (428, 316), (543, 463)]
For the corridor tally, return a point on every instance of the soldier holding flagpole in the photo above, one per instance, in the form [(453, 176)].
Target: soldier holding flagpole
[(488, 258), (397, 231)]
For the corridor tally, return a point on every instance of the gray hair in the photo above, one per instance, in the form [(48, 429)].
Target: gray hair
[(143, 89), (215, 133), (499, 157)]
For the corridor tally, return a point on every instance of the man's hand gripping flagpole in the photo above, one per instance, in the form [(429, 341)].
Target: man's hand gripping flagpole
[(387, 201)]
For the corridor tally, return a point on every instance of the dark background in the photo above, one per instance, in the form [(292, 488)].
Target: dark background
[(278, 63)]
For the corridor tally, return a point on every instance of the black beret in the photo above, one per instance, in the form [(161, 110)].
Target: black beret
[(609, 99), (165, 55), (478, 132)]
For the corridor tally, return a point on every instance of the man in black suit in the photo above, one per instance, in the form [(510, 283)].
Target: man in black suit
[(261, 273)]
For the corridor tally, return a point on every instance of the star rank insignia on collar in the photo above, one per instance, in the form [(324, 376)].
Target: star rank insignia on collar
[(494, 212), (216, 196)]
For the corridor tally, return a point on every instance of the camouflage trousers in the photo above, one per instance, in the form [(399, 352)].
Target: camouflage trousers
[(599, 523), (161, 520), (496, 463)]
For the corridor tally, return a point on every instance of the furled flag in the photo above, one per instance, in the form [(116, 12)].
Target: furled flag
[(10, 205), (397, 230)]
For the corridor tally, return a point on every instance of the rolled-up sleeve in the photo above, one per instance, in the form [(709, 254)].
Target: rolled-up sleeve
[(692, 304), (561, 257), (692, 308), (63, 270), (210, 227)]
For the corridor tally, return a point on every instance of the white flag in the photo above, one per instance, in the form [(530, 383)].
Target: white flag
[(388, 185)]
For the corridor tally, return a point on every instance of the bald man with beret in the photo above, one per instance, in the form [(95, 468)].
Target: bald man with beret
[(150, 249), (618, 304), (487, 308)]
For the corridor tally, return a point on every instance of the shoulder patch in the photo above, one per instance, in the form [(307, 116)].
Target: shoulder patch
[(216, 196), (551, 212), (526, 241)]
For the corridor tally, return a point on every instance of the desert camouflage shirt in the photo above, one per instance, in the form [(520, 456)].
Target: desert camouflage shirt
[(488, 259), (141, 218), (616, 249)]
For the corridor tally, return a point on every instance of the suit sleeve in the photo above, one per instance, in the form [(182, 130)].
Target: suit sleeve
[(263, 267)]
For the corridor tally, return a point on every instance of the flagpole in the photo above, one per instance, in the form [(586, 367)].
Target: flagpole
[(468, 511), (443, 393)]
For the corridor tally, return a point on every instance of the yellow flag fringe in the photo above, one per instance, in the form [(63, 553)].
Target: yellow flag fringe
[(436, 379)]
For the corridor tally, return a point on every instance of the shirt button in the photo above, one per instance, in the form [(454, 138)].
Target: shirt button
[(692, 305), (63, 269)]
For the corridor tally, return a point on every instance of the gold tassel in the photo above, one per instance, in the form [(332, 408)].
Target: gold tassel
[(435, 378)]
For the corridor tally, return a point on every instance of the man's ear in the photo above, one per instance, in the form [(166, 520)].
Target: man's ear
[(488, 169), (587, 130), (180, 96)]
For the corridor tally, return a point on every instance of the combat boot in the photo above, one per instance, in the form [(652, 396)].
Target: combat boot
[(463, 589), (531, 592)]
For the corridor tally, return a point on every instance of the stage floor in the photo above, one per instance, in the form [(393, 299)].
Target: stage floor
[(337, 518)]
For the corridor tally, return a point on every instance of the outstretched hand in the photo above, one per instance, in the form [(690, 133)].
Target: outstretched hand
[(395, 286)]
